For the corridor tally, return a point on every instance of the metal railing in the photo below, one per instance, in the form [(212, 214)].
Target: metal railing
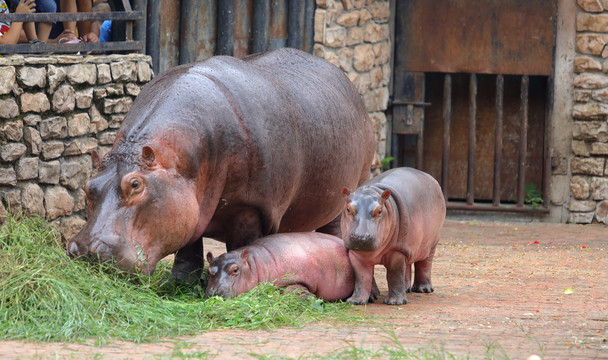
[(135, 36)]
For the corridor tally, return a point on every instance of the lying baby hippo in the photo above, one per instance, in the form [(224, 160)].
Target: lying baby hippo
[(313, 261), (394, 220)]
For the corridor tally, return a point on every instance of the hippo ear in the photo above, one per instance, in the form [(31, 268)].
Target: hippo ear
[(386, 194), (345, 192), (147, 155), (209, 257), (96, 159), (245, 254)]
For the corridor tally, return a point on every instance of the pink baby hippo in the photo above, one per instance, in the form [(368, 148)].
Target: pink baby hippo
[(393, 219), (310, 261)]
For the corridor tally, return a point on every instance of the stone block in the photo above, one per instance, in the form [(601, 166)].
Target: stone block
[(11, 131), (52, 149), (37, 102), (345, 56), (64, 99), (581, 218), (115, 89), (8, 177), (348, 4), (124, 71), (348, 19), (82, 74), (32, 198), (600, 95), (590, 5), (379, 10), (335, 37), (12, 198), (582, 206), (79, 124), (354, 36), (104, 75), (48, 172), (98, 122), (586, 64), (58, 202), (144, 71), (591, 44), (590, 131), (27, 168), (32, 76), (590, 81), (587, 166), (100, 93), (84, 98), (363, 58), (7, 79), (598, 148), (579, 187), (132, 89), (599, 188), (116, 120), (319, 34), (376, 100), (579, 148), (33, 141), (582, 96), (592, 22), (117, 106), (74, 172), (323, 3), (373, 33), (8, 109), (81, 200), (601, 213), (11, 152), (32, 120), (56, 76), (71, 226), (107, 138), (54, 128), (80, 146), (590, 111), (382, 52), (364, 17)]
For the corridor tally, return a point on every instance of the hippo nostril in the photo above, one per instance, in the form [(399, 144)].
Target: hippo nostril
[(73, 249), (95, 246)]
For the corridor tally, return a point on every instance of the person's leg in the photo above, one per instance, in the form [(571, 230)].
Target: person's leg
[(84, 27), (45, 6), (70, 7)]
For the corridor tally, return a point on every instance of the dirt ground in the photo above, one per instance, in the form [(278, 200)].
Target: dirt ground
[(502, 290)]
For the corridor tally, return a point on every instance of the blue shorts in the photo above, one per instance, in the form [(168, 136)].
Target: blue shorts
[(42, 6)]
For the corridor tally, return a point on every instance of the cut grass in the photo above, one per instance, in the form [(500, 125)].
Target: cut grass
[(46, 296)]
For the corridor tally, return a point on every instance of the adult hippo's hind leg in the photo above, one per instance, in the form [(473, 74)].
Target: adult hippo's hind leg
[(188, 263), (332, 228)]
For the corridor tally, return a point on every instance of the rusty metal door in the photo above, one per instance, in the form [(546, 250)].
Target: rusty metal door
[(471, 91)]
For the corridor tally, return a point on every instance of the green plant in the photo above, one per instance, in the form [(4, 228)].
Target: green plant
[(45, 295), (386, 163), (533, 195)]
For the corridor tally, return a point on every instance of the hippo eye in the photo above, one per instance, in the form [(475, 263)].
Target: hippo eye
[(234, 270), (134, 183)]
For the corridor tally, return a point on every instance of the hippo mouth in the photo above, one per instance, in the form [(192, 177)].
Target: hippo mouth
[(132, 261), (361, 243)]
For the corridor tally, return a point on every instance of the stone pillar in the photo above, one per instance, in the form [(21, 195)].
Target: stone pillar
[(354, 35)]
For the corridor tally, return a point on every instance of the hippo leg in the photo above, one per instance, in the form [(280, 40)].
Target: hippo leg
[(395, 276), (245, 227), (422, 277), (188, 263), (375, 292), (364, 275), (408, 277), (332, 228), (300, 290)]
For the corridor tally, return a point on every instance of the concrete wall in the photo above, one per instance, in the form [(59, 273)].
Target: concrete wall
[(54, 111)]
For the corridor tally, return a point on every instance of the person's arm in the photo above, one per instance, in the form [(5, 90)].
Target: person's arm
[(14, 32), (93, 35)]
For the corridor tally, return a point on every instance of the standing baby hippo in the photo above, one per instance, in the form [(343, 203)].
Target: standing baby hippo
[(394, 220), (312, 261)]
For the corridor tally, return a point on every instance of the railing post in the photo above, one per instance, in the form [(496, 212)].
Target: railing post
[(139, 30)]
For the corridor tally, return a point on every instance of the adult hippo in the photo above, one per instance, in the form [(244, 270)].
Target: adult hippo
[(229, 149)]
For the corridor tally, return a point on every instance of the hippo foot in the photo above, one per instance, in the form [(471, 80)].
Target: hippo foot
[(425, 287), (354, 301), (395, 300), (185, 277), (374, 293)]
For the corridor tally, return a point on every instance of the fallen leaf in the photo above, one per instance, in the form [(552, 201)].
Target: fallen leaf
[(568, 291)]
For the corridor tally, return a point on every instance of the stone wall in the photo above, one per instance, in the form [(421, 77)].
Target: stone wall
[(355, 36), (54, 111), (589, 182)]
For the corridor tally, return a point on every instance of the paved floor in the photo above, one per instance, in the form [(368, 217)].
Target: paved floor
[(502, 290)]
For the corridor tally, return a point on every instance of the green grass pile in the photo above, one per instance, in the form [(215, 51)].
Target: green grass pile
[(45, 295)]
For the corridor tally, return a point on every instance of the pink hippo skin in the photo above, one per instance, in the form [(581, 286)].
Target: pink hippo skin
[(394, 220), (312, 261)]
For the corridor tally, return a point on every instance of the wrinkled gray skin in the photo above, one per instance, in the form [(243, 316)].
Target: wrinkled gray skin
[(394, 220), (230, 149), (314, 262)]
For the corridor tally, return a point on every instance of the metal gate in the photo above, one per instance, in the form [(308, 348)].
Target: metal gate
[(472, 89)]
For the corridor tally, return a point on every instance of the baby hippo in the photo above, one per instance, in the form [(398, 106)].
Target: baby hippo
[(309, 261), (394, 220)]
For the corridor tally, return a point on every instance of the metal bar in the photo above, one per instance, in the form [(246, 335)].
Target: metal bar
[(70, 48), (503, 208), (500, 93), (472, 140), (261, 25), (547, 141), (447, 114), (295, 24), (243, 13), (416, 103), (81, 16), (523, 141), (225, 27), (420, 149), (278, 24), (153, 36), (139, 32), (309, 15)]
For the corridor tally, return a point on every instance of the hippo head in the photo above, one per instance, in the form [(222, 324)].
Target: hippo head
[(364, 218), (138, 211), (228, 274)]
